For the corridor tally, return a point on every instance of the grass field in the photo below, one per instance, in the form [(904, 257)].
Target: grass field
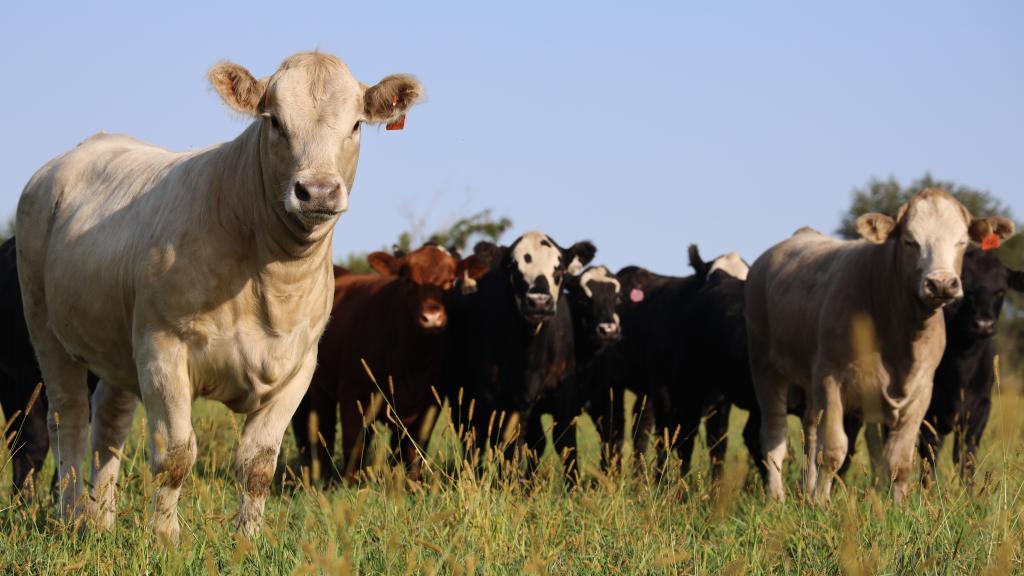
[(616, 524)]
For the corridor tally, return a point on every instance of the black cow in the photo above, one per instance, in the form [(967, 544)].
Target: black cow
[(962, 397), (645, 361), (513, 351), (593, 299), (715, 361), (26, 433)]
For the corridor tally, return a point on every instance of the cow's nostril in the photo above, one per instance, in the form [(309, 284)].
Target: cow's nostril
[(301, 193)]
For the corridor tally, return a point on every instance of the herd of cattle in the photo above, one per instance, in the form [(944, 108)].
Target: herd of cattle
[(138, 273)]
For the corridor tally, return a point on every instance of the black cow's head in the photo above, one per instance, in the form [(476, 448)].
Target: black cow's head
[(985, 281), (595, 294), (537, 266)]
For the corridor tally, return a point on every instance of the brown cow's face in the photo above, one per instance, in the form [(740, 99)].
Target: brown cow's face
[(311, 111), (428, 276), (933, 231)]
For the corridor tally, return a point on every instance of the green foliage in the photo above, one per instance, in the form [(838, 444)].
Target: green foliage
[(456, 522), (479, 226)]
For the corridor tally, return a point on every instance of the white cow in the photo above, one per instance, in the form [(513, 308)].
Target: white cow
[(858, 326), (179, 275)]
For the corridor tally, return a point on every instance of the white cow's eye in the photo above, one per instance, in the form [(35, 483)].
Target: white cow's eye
[(278, 127)]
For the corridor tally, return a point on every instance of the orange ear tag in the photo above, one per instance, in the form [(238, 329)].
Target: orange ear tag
[(397, 124), (991, 242)]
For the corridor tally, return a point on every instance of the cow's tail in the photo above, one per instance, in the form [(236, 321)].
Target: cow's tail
[(697, 263)]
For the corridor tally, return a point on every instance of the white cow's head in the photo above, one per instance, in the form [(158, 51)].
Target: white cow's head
[(932, 231), (310, 114)]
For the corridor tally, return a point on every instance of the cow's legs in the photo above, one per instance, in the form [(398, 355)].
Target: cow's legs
[(852, 425), (564, 435), (256, 459), (113, 409), (67, 417), (717, 427), (772, 398), (976, 421), (832, 436), (356, 437), (167, 396), (752, 439), (31, 441), (643, 425), (901, 442), (928, 446)]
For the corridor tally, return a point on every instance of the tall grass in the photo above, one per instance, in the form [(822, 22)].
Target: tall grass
[(455, 522)]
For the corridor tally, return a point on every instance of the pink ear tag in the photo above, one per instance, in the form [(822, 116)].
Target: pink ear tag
[(636, 295), (991, 242), (397, 124)]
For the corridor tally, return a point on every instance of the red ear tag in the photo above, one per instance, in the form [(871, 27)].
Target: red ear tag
[(636, 295), (397, 124), (991, 242)]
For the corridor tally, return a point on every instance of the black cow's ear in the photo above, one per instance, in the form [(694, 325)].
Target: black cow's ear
[(472, 267), (385, 264), (1016, 280), (875, 227), (579, 255)]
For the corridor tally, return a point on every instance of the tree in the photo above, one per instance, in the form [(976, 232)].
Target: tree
[(886, 196), (457, 236)]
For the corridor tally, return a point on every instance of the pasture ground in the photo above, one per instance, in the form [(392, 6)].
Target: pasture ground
[(622, 523)]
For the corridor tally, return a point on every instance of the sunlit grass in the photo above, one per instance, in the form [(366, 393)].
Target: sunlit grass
[(462, 523)]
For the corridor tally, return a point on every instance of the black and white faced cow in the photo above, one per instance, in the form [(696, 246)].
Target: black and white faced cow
[(513, 351), (962, 397)]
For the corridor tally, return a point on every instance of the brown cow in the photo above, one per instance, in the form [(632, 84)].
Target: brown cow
[(394, 322), (858, 326)]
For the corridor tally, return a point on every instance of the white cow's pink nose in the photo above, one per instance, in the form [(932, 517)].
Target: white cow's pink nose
[(941, 286)]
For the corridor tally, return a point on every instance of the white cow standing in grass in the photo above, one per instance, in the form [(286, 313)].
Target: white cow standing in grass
[(179, 275)]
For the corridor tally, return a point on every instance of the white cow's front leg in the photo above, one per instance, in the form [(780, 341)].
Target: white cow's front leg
[(832, 437), (256, 459), (167, 395), (900, 446)]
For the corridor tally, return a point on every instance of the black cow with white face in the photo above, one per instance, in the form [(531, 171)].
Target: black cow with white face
[(513, 352), (962, 396)]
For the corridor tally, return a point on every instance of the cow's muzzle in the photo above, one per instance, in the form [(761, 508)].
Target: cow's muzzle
[(538, 306), (319, 200), (940, 288), (607, 333)]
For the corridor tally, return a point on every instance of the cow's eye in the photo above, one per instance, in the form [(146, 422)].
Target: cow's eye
[(558, 276), (278, 127), (911, 242), (355, 128)]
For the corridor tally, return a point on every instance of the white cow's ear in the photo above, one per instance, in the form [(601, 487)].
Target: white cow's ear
[(875, 227), (391, 98), (981, 228), (237, 87)]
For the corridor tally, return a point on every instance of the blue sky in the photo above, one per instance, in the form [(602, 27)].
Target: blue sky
[(642, 127)]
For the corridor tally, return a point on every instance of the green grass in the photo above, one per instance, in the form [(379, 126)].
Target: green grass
[(622, 523)]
